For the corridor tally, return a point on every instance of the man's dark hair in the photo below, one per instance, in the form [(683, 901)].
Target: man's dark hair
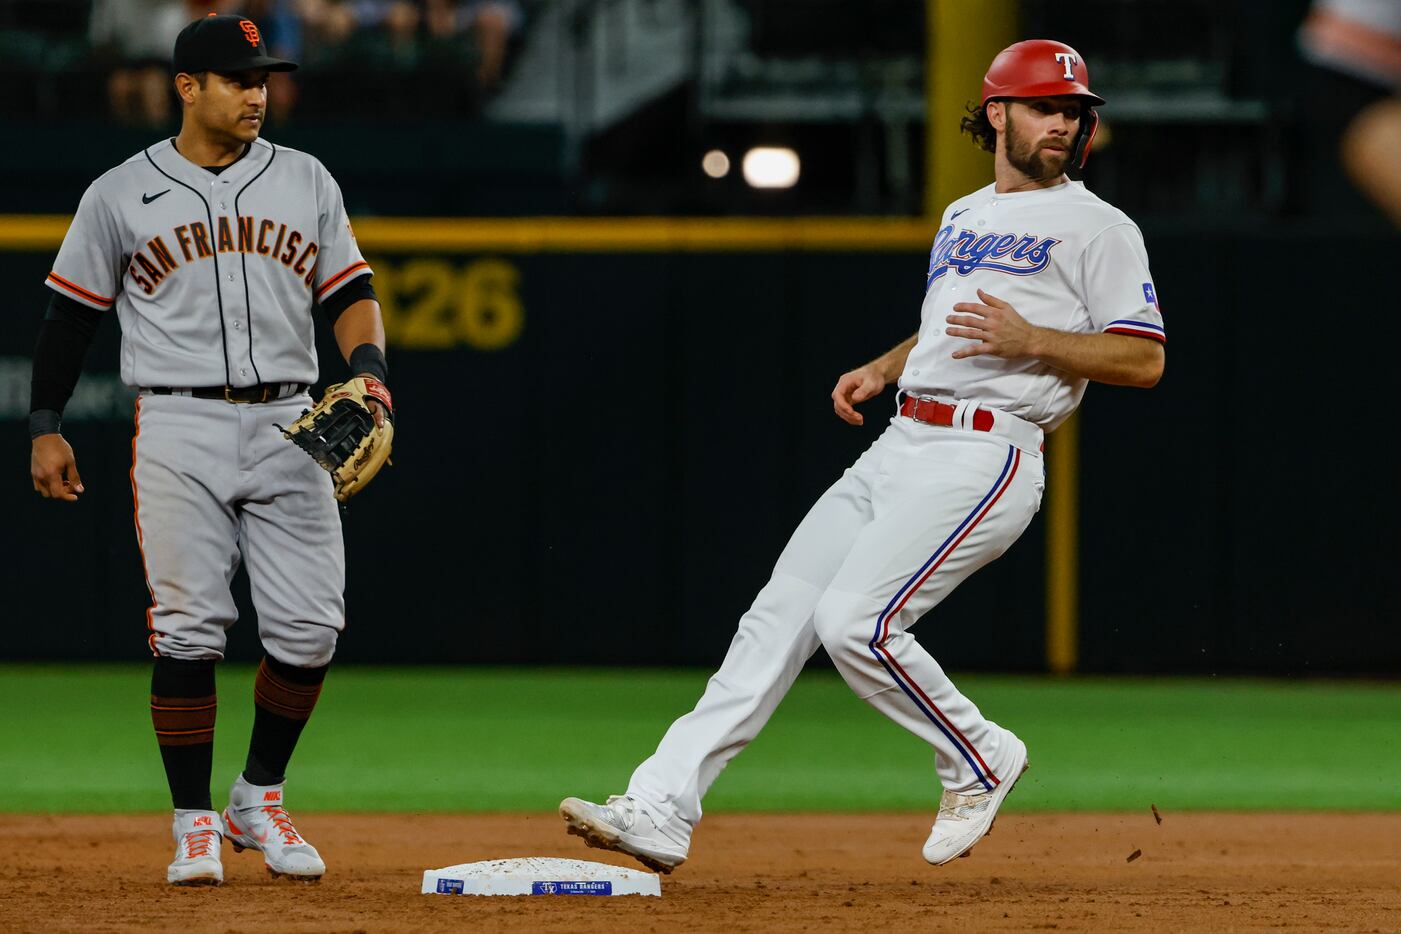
[(977, 126)]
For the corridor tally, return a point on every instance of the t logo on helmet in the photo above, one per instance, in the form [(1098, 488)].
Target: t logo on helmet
[(1069, 61), (250, 32)]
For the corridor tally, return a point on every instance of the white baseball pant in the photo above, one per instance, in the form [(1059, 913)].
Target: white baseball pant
[(922, 509)]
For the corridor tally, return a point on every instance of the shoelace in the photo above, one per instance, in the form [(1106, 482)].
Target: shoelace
[(198, 842), (283, 822), (962, 807)]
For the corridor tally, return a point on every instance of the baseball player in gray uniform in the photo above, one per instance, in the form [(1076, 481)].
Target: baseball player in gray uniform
[(1034, 288), (214, 248)]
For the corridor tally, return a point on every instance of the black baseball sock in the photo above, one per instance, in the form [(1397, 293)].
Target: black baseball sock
[(283, 698), (183, 706)]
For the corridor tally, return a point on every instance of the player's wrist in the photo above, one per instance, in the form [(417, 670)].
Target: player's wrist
[(1041, 343), (881, 369), (368, 360), (44, 422)]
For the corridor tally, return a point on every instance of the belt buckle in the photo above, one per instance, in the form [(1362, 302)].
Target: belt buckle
[(929, 411), (267, 388), (228, 394), (921, 410)]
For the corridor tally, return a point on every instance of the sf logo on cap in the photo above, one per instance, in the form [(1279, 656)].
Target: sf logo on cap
[(1063, 58), (250, 32)]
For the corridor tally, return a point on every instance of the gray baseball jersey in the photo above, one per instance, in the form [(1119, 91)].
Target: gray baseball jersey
[(213, 276)]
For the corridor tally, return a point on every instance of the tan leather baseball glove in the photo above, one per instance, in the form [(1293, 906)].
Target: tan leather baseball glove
[(341, 433)]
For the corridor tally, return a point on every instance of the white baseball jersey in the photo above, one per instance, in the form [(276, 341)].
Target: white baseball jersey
[(1063, 259), (213, 276)]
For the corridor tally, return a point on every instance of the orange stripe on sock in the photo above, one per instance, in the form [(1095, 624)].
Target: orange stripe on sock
[(293, 701), (181, 732), (171, 718)]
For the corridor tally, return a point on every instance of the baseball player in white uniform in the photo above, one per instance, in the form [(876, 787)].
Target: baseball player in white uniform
[(214, 248), (1034, 287)]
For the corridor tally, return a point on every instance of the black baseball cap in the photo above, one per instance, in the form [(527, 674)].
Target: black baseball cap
[(224, 44)]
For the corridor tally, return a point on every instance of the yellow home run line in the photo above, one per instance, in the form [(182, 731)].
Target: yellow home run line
[(580, 234)]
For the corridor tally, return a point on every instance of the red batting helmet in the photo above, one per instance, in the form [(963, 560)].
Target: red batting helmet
[(1045, 68)]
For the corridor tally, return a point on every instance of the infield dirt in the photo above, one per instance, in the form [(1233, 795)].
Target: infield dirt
[(766, 873)]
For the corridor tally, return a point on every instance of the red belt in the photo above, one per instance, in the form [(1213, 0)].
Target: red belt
[(933, 412)]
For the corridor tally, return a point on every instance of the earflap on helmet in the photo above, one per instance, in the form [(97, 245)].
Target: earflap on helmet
[(1085, 137)]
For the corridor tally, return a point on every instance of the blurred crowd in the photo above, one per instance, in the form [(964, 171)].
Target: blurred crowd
[(454, 53)]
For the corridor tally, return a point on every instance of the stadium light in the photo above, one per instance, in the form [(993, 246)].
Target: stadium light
[(771, 167), (716, 164)]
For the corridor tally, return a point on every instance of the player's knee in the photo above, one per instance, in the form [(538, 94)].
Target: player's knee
[(305, 646), (181, 650), (188, 643), (843, 622)]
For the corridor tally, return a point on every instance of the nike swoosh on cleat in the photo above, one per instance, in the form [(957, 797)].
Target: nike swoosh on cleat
[(147, 199)]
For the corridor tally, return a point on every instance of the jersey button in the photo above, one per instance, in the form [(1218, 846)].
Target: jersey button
[(238, 326), (242, 372), (230, 277)]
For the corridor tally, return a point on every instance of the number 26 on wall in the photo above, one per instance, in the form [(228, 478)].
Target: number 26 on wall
[(433, 304)]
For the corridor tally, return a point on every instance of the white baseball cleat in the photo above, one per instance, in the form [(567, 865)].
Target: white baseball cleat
[(256, 820), (625, 825), (963, 820), (198, 842)]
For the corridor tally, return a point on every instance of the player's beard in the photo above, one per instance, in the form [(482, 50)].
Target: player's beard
[(1029, 157)]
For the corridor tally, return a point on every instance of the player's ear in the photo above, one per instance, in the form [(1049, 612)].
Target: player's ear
[(185, 87), (997, 114)]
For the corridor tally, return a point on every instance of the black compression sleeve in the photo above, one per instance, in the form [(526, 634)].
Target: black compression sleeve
[(64, 338), (355, 290)]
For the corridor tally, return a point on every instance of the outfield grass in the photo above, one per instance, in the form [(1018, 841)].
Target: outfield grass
[(78, 739)]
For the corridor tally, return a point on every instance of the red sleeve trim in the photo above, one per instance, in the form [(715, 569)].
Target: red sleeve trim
[(1134, 332), (341, 277), (79, 291)]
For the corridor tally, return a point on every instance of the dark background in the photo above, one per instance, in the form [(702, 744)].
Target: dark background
[(613, 486)]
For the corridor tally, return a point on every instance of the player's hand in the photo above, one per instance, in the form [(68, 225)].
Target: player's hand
[(854, 387), (376, 407), (996, 327), (53, 469), (378, 410)]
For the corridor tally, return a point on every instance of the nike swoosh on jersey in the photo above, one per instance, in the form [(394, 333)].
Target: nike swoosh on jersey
[(147, 199), (952, 217)]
